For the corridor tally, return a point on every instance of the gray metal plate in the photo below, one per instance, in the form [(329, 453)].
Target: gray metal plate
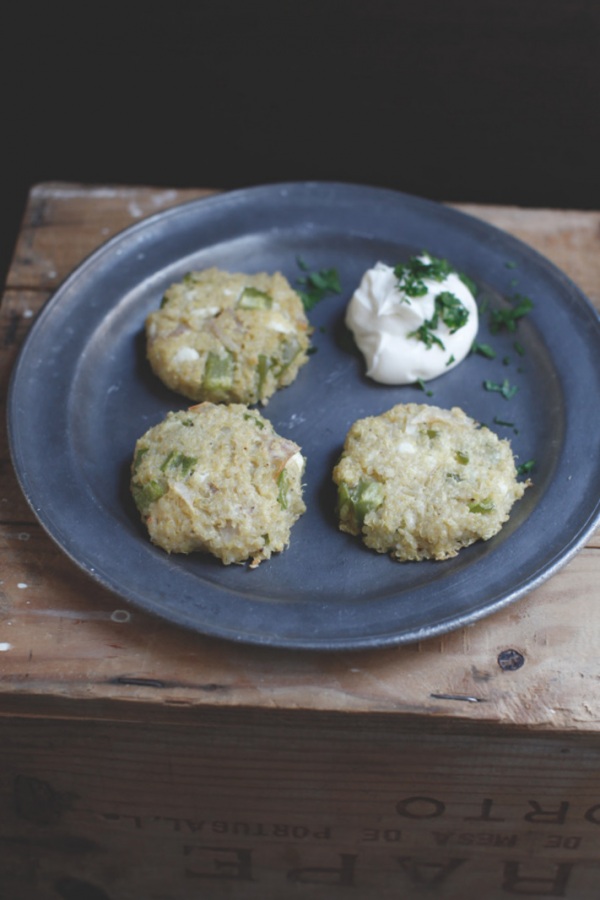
[(82, 393)]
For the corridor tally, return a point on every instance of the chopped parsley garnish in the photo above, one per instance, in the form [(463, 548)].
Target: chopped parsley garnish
[(452, 312), (425, 334), (506, 389), (526, 467), (483, 349), (314, 286), (498, 421), (447, 307), (421, 384), (508, 318), (410, 275), (520, 349)]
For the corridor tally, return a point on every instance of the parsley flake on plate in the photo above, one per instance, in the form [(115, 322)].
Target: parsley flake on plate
[(315, 285)]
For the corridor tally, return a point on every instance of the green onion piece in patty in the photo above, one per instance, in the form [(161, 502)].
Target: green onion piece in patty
[(288, 351), (146, 494), (283, 485), (138, 458), (218, 372), (355, 502), (262, 370), (482, 506), (252, 298)]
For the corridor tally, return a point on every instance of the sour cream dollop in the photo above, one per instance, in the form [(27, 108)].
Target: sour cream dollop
[(403, 337)]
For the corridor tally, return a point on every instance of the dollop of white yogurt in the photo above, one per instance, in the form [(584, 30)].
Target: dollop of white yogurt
[(385, 322)]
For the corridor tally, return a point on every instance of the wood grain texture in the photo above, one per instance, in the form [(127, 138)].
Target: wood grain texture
[(141, 760), (261, 804), (68, 643), (569, 238)]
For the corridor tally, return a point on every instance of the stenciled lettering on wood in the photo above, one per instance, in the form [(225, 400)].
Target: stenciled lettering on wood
[(421, 843), (237, 864)]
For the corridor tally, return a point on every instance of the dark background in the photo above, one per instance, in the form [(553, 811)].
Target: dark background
[(492, 101)]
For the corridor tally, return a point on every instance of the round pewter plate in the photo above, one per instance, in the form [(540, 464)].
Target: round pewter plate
[(82, 393)]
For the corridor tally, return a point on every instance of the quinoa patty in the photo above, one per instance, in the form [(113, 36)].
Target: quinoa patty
[(218, 478), (228, 337), (420, 482)]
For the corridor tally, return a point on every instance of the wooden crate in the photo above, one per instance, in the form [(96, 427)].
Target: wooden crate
[(138, 760)]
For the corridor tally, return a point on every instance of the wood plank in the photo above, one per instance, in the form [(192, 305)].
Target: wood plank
[(569, 238), (67, 643), (140, 759), (264, 804), (64, 223), (70, 638)]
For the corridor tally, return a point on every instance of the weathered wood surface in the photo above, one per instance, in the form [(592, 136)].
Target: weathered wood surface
[(264, 805), (68, 647)]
